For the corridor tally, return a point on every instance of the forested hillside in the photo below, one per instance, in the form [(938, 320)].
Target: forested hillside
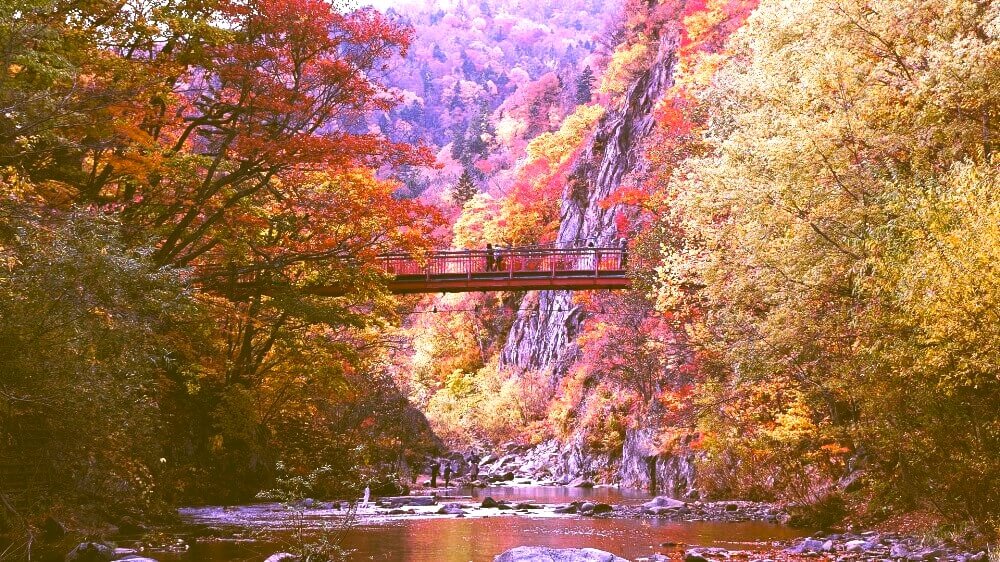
[(806, 191), (174, 182), (814, 208)]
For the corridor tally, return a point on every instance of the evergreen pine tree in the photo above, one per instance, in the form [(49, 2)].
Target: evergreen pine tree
[(456, 97), (438, 54), (479, 127), (458, 149), (464, 190), (584, 86)]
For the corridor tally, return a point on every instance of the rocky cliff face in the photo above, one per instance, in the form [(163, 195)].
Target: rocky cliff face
[(543, 336)]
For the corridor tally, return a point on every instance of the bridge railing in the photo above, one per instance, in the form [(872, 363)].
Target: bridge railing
[(509, 261)]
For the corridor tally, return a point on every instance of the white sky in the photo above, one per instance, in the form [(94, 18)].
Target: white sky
[(384, 4)]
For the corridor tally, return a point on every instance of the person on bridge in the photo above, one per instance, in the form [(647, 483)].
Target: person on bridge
[(491, 258), (623, 259)]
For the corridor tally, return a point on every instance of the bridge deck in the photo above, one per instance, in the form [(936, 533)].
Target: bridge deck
[(508, 269)]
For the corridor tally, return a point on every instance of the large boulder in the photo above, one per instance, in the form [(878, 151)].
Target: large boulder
[(664, 501), (545, 554), (451, 509)]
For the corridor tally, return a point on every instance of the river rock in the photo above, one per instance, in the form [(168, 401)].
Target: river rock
[(488, 502), (856, 546), (544, 554), (397, 501), (810, 545), (899, 550), (137, 558), (581, 483), (52, 529), (451, 509), (282, 557), (600, 508), (665, 502), (91, 552), (694, 556), (527, 505)]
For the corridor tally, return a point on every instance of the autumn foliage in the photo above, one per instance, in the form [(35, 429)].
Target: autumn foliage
[(213, 154)]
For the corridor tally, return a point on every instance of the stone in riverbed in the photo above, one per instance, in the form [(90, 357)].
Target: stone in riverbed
[(899, 550), (664, 501), (809, 545), (571, 508), (581, 483), (694, 556), (52, 529), (856, 546), (488, 502), (451, 509), (526, 505), (282, 557), (397, 501), (543, 554), (602, 508), (91, 552)]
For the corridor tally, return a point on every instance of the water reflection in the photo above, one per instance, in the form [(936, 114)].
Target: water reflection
[(558, 494), (479, 539)]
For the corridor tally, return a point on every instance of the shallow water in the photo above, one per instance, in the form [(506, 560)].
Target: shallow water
[(559, 494), (479, 540), (425, 537)]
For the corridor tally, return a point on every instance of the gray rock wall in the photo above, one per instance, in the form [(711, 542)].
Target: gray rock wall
[(644, 467), (543, 334)]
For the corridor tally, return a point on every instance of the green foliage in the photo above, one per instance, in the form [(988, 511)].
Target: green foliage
[(584, 86), (464, 190), (834, 255), (84, 339), (292, 491)]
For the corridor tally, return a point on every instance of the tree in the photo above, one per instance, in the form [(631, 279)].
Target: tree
[(584, 86), (801, 238), (464, 190), (201, 154)]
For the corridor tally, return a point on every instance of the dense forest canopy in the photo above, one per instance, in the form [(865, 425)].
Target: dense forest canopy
[(814, 202)]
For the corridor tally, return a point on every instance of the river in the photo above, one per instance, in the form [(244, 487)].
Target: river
[(261, 530)]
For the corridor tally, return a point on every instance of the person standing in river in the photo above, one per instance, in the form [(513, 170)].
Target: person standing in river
[(474, 467), (435, 469)]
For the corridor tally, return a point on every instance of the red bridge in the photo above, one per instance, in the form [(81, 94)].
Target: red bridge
[(513, 269)]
